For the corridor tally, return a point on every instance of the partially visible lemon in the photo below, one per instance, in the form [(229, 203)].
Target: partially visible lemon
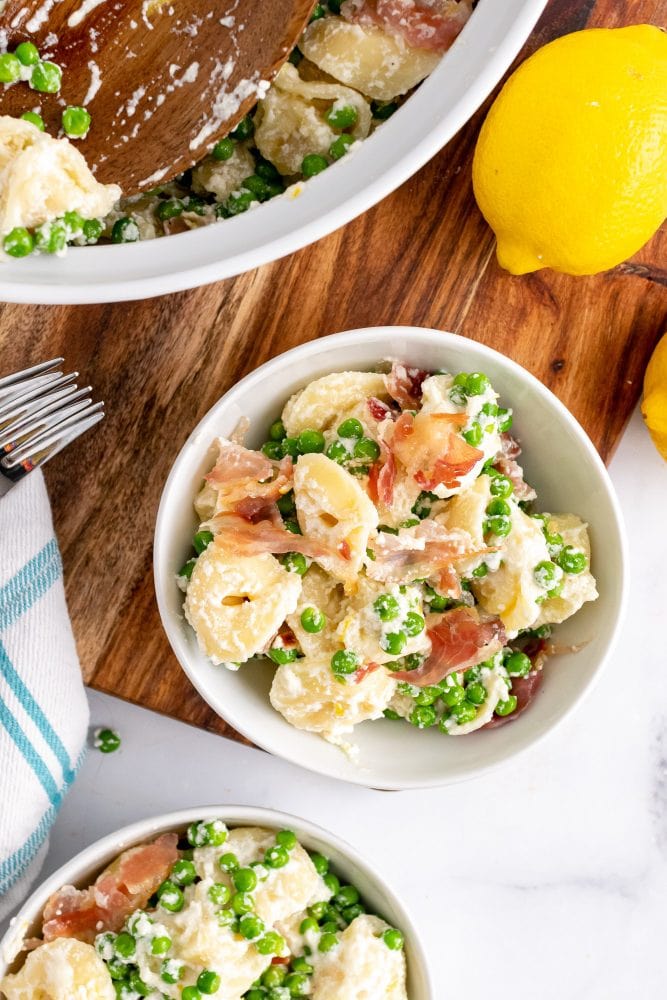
[(654, 404), (570, 169)]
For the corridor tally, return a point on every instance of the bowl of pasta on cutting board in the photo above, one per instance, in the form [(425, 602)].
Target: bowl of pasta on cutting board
[(391, 556), (365, 99)]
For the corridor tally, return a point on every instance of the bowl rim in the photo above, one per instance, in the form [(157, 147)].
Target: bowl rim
[(163, 579), (61, 286), (233, 815)]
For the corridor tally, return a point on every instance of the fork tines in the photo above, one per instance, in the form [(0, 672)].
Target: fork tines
[(41, 411)]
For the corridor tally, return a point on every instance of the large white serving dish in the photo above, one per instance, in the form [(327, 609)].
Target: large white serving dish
[(560, 462), (440, 107)]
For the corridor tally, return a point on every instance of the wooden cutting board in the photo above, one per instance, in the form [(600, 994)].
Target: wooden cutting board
[(424, 256)]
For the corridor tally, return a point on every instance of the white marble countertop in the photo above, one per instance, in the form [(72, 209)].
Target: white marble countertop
[(545, 880)]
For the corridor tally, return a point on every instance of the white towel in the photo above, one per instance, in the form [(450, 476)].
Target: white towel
[(43, 707)]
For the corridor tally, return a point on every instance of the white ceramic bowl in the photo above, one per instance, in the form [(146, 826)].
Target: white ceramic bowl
[(82, 869), (560, 461), (441, 106)]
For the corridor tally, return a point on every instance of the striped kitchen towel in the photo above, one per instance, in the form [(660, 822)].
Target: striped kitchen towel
[(43, 707)]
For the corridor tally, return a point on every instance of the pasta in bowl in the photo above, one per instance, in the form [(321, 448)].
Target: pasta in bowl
[(243, 904), (382, 552)]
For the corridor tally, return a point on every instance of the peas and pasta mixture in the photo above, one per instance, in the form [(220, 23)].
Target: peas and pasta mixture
[(383, 552), (239, 914), (355, 63)]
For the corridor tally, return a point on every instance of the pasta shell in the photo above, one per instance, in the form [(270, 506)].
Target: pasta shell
[(323, 404), (63, 969)]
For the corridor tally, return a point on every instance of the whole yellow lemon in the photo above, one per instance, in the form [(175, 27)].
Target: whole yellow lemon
[(570, 169), (654, 404)]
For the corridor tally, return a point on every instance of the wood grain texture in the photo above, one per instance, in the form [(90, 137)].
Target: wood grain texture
[(162, 363), (154, 111)]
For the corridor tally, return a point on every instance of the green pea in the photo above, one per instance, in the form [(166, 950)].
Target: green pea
[(170, 896), (208, 981), (138, 985), (480, 571), (125, 945), (223, 149), (251, 927), (548, 575), (474, 435), (286, 504), (277, 431), (244, 879), (518, 665), (46, 78), (125, 230), (255, 995), (92, 230), (274, 975), (271, 944), (472, 674), (352, 912), (413, 624), (280, 655), (506, 707), (242, 903), (464, 712), (427, 695), (273, 450), (499, 526), (332, 883), (160, 945), (313, 164), (286, 839), (170, 209), (347, 895), (74, 222), (310, 441), (183, 872), (34, 119), (366, 448), (201, 541), (328, 942), (571, 561), (257, 185), (318, 11), (10, 68), (423, 716), (226, 918), (453, 695), (313, 620), (504, 420), (457, 395), (229, 862), (386, 607), (219, 894), (290, 446), (212, 834), (340, 146), (337, 452), (107, 740), (244, 130), (321, 863), (411, 522), (393, 939), (393, 642), (476, 693), (276, 856), (344, 661), (295, 562), (437, 602), (499, 508), (76, 122), (382, 110), (190, 993), (267, 171), (239, 202), (342, 117), (309, 924), (501, 486), (27, 53), (171, 970), (477, 384), (117, 970), (351, 428), (490, 410), (297, 984)]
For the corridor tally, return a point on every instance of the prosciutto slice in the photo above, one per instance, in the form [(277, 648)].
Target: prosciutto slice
[(506, 462), (240, 473), (525, 689), (404, 384), (424, 24), (426, 550), (461, 639), (431, 450), (123, 887), (382, 477), (241, 537)]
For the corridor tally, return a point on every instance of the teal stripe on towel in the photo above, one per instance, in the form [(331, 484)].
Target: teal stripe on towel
[(30, 583), (30, 754), (35, 712)]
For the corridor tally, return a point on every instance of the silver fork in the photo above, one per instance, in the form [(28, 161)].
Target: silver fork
[(41, 411)]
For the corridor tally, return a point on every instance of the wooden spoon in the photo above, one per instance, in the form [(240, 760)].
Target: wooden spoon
[(163, 81)]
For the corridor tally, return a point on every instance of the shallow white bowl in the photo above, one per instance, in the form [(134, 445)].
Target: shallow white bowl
[(440, 107), (560, 461), (82, 869)]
